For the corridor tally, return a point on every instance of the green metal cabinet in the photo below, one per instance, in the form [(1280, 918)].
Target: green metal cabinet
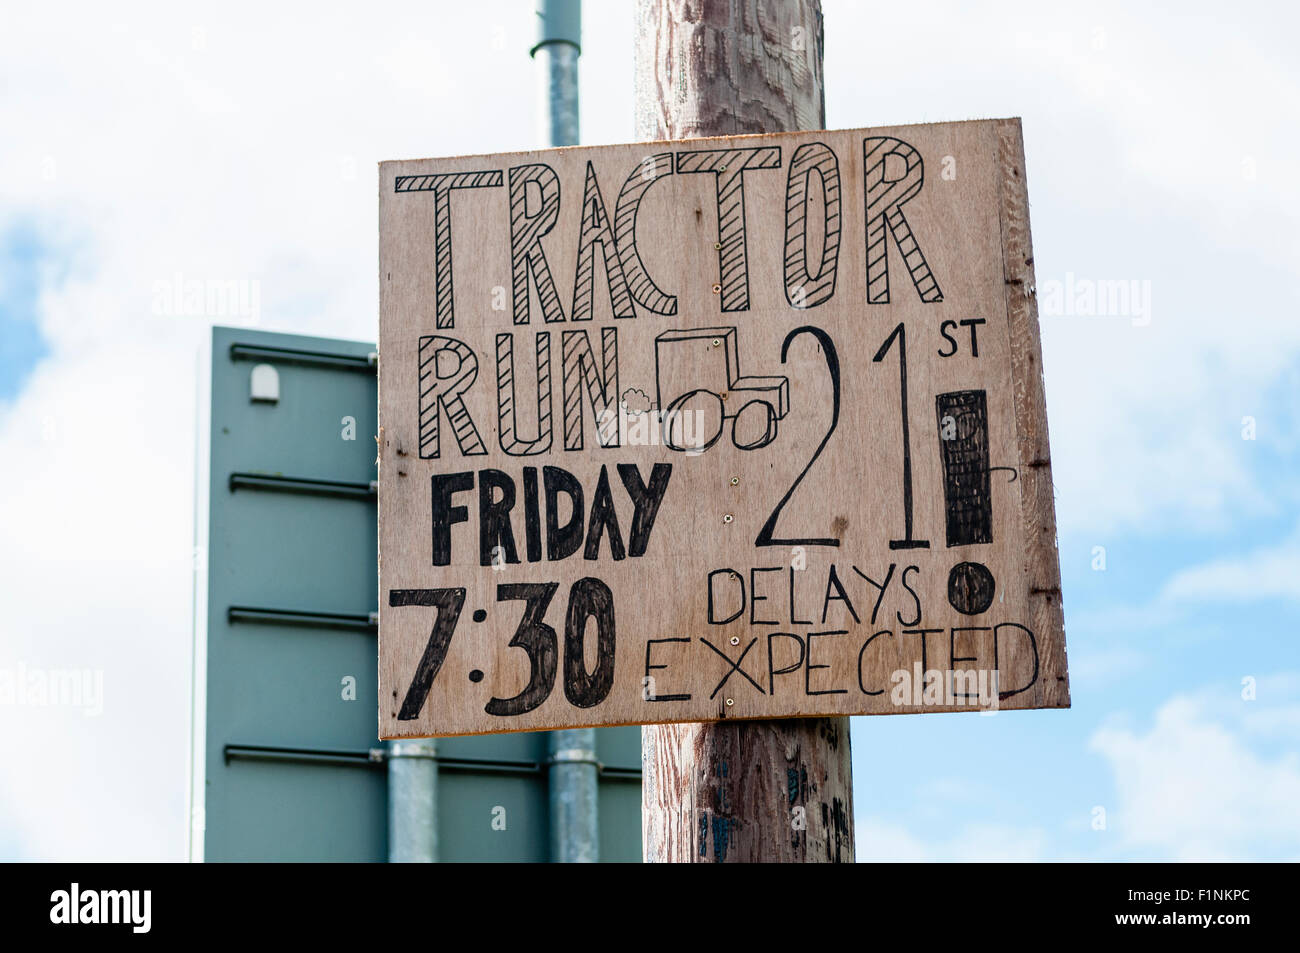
[(291, 699)]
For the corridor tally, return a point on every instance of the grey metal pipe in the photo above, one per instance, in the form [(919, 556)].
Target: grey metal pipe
[(573, 774), (412, 801), (574, 788), (559, 43)]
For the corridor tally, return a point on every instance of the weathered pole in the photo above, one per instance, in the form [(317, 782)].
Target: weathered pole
[(742, 790)]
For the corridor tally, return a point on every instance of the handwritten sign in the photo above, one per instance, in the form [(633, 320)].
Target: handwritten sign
[(721, 428)]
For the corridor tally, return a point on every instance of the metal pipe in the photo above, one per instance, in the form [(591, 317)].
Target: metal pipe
[(573, 781), (573, 774), (413, 801), (559, 43)]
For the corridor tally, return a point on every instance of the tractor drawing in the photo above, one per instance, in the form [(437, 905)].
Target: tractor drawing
[(700, 388)]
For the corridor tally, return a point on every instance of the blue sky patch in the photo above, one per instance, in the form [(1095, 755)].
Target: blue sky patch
[(25, 268)]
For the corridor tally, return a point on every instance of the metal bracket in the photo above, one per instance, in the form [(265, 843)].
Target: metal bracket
[(574, 756), (293, 355), (260, 614), (414, 748), (283, 484)]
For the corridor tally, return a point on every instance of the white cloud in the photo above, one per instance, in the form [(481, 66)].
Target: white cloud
[(1270, 572), (880, 841), (95, 574), (1197, 786), (1094, 665)]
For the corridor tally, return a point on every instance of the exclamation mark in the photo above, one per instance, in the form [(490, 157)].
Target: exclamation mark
[(968, 504)]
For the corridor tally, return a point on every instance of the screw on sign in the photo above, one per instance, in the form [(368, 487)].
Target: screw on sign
[(730, 452)]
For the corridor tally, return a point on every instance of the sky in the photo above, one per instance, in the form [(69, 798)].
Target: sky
[(143, 143)]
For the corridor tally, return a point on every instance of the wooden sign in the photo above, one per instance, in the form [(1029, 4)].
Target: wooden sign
[(720, 428)]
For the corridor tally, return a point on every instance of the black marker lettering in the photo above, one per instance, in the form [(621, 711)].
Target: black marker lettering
[(863, 651), (646, 501), (804, 289), (603, 521), (644, 291), (772, 671), (537, 639), (888, 189), (755, 598), (649, 668), (713, 620), (833, 580), (589, 598), (562, 541), (808, 669), (943, 329), (447, 370), (530, 219), (973, 324), (915, 598), (596, 233), (734, 666), (444, 514), (579, 371), (925, 664), (441, 186), (448, 603), (794, 618), (880, 586), (532, 519), (728, 167), (496, 537), (1033, 647)]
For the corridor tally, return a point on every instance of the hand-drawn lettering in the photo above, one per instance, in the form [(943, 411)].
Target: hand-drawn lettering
[(888, 190), (589, 599), (494, 529), (445, 514), (579, 372), (441, 186), (655, 697), (728, 167), (645, 500), (644, 291), (596, 234), (808, 668), (734, 666), (772, 670), (537, 639), (448, 602), (827, 346), (447, 370), (507, 431), (805, 288), (533, 212)]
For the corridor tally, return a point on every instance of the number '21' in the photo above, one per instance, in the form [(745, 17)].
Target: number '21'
[(765, 537)]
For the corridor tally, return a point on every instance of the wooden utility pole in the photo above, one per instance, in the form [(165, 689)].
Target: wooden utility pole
[(742, 790)]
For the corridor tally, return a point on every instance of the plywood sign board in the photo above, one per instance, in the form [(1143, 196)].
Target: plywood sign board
[(720, 428)]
